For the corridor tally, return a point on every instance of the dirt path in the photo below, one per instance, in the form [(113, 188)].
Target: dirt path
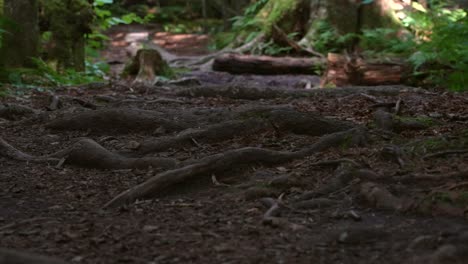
[(235, 173)]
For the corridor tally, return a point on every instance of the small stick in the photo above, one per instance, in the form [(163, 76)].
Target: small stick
[(217, 183), (371, 98), (398, 106)]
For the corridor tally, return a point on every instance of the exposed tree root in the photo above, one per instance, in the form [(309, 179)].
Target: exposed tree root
[(390, 122), (257, 122), (255, 93), (8, 256), (87, 153), (213, 133), (445, 153), (119, 103), (238, 158), (117, 120), (395, 154), (333, 163), (447, 253), (343, 178), (23, 222), (381, 198), (430, 177), (7, 150), (15, 112)]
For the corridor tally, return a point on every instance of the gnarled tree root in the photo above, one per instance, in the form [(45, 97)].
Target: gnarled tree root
[(255, 93), (243, 157), (388, 122), (257, 122), (213, 133), (87, 153), (117, 120), (8, 256), (15, 111), (7, 150)]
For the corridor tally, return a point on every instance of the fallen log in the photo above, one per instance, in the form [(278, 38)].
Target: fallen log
[(242, 64), (344, 70)]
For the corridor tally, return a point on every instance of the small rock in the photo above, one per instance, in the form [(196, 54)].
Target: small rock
[(150, 228), (254, 193), (283, 181), (133, 145), (355, 216), (77, 259)]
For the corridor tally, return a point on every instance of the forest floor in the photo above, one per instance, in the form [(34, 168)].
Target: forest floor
[(235, 169)]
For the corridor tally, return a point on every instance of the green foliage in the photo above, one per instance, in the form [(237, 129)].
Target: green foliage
[(171, 14), (273, 12), (249, 20), (45, 75), (436, 43), (244, 28), (326, 38), (386, 41), (7, 27), (105, 19), (443, 48), (253, 22), (374, 42), (2, 30), (270, 48)]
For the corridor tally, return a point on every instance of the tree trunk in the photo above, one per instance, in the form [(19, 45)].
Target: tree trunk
[(289, 15), (68, 21), (350, 16), (22, 40)]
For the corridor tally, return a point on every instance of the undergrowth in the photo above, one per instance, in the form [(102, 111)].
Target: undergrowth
[(443, 47), (435, 41)]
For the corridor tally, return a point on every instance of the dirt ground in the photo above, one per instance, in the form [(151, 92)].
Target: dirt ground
[(238, 169)]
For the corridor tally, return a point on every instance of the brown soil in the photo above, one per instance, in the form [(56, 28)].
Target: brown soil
[(307, 190)]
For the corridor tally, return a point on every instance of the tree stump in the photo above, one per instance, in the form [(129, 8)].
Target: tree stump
[(146, 65)]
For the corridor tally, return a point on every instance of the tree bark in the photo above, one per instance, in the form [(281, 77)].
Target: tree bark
[(22, 40)]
